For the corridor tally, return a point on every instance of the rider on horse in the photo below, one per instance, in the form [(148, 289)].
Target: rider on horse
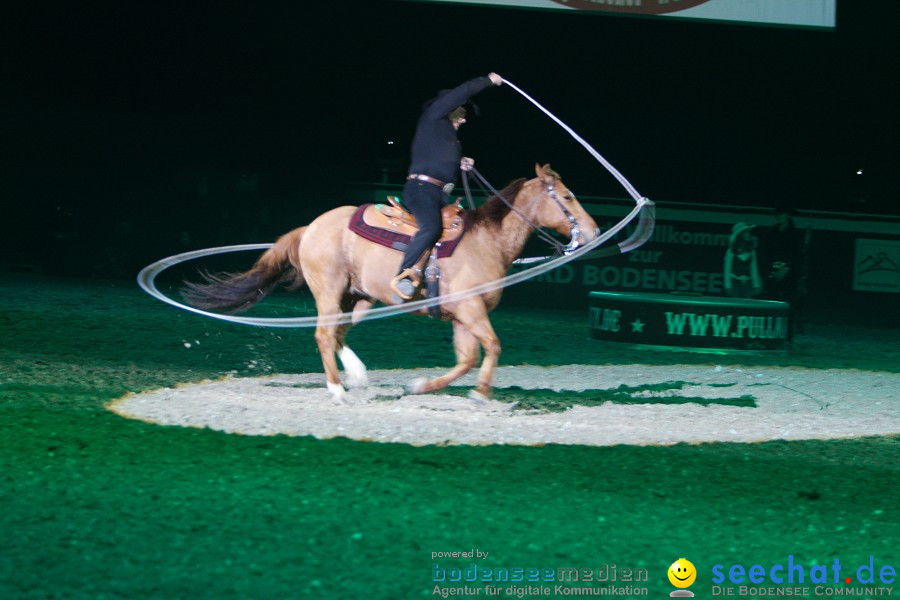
[(435, 165)]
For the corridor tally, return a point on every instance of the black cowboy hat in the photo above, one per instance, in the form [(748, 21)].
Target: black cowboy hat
[(471, 107)]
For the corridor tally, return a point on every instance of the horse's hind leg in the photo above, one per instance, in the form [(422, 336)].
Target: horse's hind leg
[(326, 339), (466, 346), (353, 366), (331, 341), (329, 338), (357, 376)]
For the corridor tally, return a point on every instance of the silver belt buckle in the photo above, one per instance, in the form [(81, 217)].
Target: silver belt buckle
[(448, 188)]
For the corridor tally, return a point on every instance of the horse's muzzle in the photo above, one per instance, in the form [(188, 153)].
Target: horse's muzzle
[(589, 235), (578, 238)]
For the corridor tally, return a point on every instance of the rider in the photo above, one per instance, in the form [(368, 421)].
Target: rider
[(436, 161)]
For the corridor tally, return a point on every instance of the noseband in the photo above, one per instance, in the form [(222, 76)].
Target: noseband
[(574, 229)]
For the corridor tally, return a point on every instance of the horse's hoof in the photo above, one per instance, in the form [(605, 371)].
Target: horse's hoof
[(478, 397), (338, 393), (417, 385), (357, 382)]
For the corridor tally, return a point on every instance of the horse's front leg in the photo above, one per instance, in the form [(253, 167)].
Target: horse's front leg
[(466, 346), (480, 326), (471, 327)]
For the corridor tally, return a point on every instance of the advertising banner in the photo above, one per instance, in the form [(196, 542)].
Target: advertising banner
[(790, 13), (877, 266), (680, 257), (689, 321)]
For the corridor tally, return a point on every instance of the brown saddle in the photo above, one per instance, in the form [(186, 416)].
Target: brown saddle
[(397, 219)]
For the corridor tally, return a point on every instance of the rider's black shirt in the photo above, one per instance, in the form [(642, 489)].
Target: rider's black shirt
[(436, 150)]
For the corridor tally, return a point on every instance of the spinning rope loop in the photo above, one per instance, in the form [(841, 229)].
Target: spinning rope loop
[(613, 171), (644, 208)]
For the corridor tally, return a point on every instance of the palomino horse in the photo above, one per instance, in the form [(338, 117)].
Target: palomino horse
[(346, 272)]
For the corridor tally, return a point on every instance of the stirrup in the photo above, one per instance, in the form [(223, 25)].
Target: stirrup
[(404, 285)]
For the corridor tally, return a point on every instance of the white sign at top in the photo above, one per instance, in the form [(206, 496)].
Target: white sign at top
[(790, 13)]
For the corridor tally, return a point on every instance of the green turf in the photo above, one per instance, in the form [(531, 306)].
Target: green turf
[(544, 400), (93, 505)]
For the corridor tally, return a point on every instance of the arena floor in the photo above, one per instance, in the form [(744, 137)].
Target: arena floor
[(97, 504)]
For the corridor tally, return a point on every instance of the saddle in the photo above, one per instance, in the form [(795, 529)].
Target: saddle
[(393, 226), (398, 219)]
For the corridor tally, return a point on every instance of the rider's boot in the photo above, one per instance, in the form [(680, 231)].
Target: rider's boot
[(405, 284)]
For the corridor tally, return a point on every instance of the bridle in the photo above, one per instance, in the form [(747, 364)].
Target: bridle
[(574, 229), (550, 190)]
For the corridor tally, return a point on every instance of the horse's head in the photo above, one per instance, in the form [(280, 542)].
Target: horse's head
[(558, 209)]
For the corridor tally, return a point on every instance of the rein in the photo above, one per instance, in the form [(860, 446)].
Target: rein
[(560, 249)]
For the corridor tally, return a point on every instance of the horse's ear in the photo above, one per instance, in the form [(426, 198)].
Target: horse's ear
[(544, 173)]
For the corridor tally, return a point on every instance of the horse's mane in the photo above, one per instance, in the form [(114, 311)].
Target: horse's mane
[(493, 211)]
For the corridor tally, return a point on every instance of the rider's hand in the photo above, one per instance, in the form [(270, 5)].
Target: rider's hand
[(495, 79), (466, 164)]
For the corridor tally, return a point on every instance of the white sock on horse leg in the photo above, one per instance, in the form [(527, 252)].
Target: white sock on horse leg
[(338, 393), (355, 369), (417, 385)]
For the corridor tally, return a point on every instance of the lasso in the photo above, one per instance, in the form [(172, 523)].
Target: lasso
[(643, 208)]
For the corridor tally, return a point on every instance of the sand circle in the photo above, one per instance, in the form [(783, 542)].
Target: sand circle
[(787, 403)]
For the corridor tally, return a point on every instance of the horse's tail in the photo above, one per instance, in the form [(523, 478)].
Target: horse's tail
[(236, 292)]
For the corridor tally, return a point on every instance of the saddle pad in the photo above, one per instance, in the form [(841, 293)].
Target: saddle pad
[(390, 239)]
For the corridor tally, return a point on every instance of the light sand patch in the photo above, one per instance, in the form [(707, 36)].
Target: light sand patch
[(791, 403)]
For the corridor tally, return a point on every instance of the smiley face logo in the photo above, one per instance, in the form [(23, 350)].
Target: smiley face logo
[(682, 573)]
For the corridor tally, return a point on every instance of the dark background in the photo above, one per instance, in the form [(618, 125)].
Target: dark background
[(135, 130)]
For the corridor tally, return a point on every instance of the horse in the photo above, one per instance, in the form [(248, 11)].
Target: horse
[(347, 273)]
